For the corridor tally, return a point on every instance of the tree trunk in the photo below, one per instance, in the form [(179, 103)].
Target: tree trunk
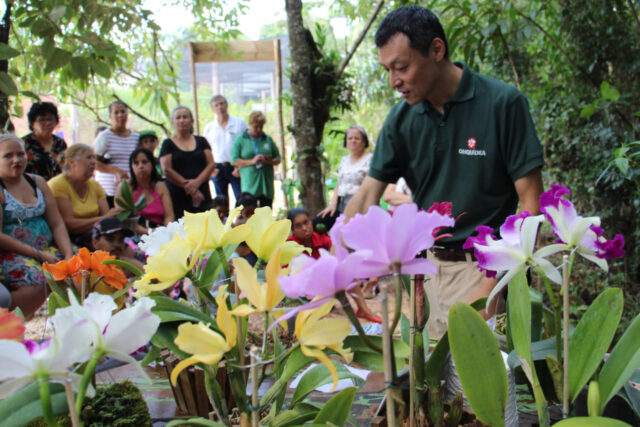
[(5, 28), (307, 139)]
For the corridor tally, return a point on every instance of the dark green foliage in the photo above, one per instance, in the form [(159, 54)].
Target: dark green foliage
[(120, 404)]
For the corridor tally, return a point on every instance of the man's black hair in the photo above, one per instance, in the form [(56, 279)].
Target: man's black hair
[(220, 201), (246, 199), (419, 24), (41, 109)]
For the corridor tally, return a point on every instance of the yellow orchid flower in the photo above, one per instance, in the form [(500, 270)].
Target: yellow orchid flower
[(267, 235), (205, 345), (169, 265), (316, 334), (263, 296), (166, 267), (218, 235)]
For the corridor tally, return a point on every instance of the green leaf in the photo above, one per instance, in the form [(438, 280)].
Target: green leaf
[(609, 92), (622, 164), (7, 52), (295, 362), (164, 304), (79, 67), (58, 59), (153, 354), (590, 422), (293, 417), (318, 376), (199, 421), (519, 303), (7, 85), (592, 337), (337, 409), (621, 364), (30, 94), (536, 314), (437, 360), (24, 405), (479, 364), (405, 328), (57, 13), (588, 111), (126, 265), (101, 69)]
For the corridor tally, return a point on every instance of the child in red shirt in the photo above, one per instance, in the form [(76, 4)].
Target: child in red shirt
[(302, 232)]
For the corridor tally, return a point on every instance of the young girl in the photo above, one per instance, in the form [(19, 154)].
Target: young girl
[(302, 232), (146, 180)]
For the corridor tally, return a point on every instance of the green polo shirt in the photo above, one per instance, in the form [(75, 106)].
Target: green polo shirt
[(469, 156), (257, 181)]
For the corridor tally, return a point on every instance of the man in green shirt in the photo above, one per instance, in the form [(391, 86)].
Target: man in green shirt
[(457, 136)]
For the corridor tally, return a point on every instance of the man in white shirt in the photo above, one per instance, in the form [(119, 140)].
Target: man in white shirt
[(221, 133)]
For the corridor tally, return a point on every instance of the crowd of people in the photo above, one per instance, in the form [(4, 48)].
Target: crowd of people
[(58, 198)]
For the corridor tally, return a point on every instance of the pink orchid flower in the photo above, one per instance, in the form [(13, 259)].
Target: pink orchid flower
[(514, 251), (582, 234), (395, 239)]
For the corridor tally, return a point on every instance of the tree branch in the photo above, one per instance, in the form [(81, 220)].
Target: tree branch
[(81, 102), (511, 61), (634, 12), (143, 117), (345, 61), (560, 49)]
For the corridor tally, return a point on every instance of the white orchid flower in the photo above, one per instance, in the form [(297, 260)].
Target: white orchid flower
[(116, 335)]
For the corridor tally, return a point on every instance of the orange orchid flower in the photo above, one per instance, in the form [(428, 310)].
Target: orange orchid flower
[(59, 270), (11, 327)]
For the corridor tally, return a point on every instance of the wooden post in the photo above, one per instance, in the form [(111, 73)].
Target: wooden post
[(194, 87), (278, 60)]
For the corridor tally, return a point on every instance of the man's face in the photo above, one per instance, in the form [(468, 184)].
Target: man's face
[(410, 73), (111, 242), (219, 107)]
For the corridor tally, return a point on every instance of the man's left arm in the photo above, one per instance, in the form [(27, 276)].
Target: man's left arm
[(529, 189)]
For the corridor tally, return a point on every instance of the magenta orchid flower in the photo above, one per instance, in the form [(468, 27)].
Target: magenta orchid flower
[(395, 240), (514, 251), (582, 234)]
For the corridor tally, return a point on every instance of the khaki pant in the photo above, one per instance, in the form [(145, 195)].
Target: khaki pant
[(454, 282)]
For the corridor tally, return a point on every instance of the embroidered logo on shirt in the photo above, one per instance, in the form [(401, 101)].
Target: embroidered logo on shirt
[(471, 150)]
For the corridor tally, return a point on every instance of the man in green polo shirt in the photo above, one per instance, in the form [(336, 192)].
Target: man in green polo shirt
[(457, 136)]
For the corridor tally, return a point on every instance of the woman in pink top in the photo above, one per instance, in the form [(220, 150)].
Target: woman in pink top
[(146, 180)]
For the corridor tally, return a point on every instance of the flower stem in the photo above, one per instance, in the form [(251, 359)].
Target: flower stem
[(255, 412), (264, 335), (387, 356), (45, 399), (557, 313), (73, 415), (86, 377), (565, 315), (412, 343), (346, 306), (225, 265), (397, 282)]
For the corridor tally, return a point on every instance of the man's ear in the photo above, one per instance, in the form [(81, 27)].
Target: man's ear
[(438, 49)]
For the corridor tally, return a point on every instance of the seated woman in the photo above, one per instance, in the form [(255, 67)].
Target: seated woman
[(30, 223), (81, 200), (146, 180), (302, 233)]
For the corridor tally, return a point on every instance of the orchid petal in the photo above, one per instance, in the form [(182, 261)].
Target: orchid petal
[(15, 360), (549, 270), (418, 266), (132, 327), (319, 354), (9, 387)]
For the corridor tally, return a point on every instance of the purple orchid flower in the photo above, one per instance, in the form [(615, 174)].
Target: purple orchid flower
[(514, 251), (395, 239), (582, 234)]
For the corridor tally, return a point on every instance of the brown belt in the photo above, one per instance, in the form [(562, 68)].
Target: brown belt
[(445, 254)]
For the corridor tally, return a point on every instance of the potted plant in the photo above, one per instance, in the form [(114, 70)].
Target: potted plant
[(129, 214)]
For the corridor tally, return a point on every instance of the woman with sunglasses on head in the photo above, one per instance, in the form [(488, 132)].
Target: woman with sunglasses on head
[(43, 148), (30, 223)]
